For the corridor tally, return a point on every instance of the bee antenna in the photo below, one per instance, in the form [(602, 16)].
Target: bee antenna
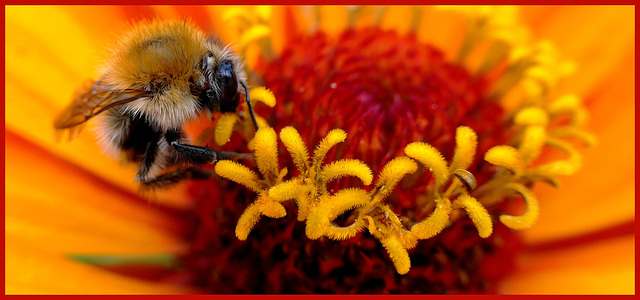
[(253, 116)]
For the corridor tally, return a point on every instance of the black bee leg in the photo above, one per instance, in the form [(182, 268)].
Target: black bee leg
[(175, 177), (251, 113), (199, 155), (147, 160)]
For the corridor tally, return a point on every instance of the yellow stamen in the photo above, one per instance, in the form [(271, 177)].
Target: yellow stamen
[(562, 167), (392, 173), (286, 190), (296, 147), (263, 95), (347, 167), (533, 139), (334, 137), (574, 132), (531, 116), (569, 104), (238, 173), (398, 254), (224, 128), (318, 221), (478, 214), (266, 151), (345, 200), (431, 158), (270, 208), (466, 144), (247, 221), (507, 157), (435, 223), (343, 233), (529, 217), (253, 34)]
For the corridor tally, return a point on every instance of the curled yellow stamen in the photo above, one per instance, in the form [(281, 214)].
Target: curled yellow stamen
[(529, 217), (533, 139), (254, 33), (264, 95), (572, 105), (347, 167), (334, 137), (507, 157), (532, 116), (435, 223), (392, 173), (477, 213), (431, 158), (466, 144)]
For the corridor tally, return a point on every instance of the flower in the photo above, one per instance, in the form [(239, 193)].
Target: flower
[(47, 221)]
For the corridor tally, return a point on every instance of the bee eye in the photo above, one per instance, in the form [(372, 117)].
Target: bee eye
[(225, 65)]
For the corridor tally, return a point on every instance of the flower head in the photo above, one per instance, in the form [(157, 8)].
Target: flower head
[(437, 130)]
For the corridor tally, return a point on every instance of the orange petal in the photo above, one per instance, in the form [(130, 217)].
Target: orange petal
[(443, 29), (602, 193), (399, 18), (597, 45), (333, 19), (32, 270), (604, 267), (68, 210)]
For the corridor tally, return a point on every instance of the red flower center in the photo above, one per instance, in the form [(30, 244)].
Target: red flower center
[(385, 91)]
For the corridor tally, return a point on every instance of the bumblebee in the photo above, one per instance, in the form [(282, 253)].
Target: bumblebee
[(159, 76)]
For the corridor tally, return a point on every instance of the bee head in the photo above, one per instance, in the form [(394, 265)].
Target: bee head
[(220, 92)]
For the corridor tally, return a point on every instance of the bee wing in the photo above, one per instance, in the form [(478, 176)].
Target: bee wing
[(91, 99)]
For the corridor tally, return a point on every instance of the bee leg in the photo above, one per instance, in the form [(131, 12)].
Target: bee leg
[(147, 160), (199, 155), (175, 177)]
